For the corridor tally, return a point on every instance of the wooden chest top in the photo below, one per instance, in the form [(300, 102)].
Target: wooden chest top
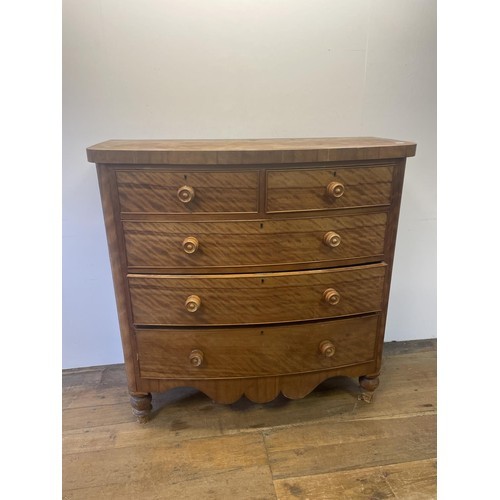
[(248, 151)]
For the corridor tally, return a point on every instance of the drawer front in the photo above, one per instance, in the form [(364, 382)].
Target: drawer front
[(161, 191), (261, 243), (252, 352), (255, 298), (328, 188)]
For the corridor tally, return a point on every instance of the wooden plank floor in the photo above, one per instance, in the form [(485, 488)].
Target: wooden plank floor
[(328, 445)]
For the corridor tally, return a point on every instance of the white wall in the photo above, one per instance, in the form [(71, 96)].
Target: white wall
[(243, 69)]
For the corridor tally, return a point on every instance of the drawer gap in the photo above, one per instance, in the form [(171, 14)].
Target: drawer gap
[(253, 325)]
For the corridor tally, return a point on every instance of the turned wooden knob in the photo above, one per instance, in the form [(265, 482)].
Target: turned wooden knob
[(196, 357), (331, 296), (335, 189), (190, 244), (327, 348), (193, 303), (331, 239), (185, 194)]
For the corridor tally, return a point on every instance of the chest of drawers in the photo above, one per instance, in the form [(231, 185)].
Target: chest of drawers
[(250, 267)]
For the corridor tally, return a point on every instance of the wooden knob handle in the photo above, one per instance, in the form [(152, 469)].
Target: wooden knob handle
[(193, 303), (196, 357), (331, 239), (335, 189), (331, 296), (327, 348), (185, 194), (190, 244)]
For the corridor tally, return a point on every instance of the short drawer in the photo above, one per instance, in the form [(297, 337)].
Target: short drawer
[(256, 352), (255, 298), (254, 243), (328, 188), (164, 191)]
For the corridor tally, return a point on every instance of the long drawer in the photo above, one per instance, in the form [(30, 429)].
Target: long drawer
[(327, 188), (197, 300), (254, 352), (160, 191), (258, 243)]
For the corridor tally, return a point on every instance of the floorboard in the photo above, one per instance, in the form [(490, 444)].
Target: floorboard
[(327, 445)]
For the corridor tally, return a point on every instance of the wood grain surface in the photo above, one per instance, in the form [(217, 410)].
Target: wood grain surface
[(258, 389), (248, 151), (250, 236), (296, 190), (156, 191), (117, 258), (255, 298), (328, 445), (253, 352), (373, 445), (223, 244), (415, 480)]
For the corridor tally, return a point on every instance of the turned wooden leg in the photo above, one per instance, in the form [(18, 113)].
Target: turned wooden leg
[(141, 405), (368, 383)]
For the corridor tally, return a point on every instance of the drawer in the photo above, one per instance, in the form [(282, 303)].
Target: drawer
[(217, 244), (328, 188), (162, 191), (256, 352), (255, 298)]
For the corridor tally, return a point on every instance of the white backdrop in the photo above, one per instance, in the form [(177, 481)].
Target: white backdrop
[(195, 69)]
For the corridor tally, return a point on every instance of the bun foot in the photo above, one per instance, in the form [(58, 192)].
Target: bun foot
[(141, 406), (368, 383)]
